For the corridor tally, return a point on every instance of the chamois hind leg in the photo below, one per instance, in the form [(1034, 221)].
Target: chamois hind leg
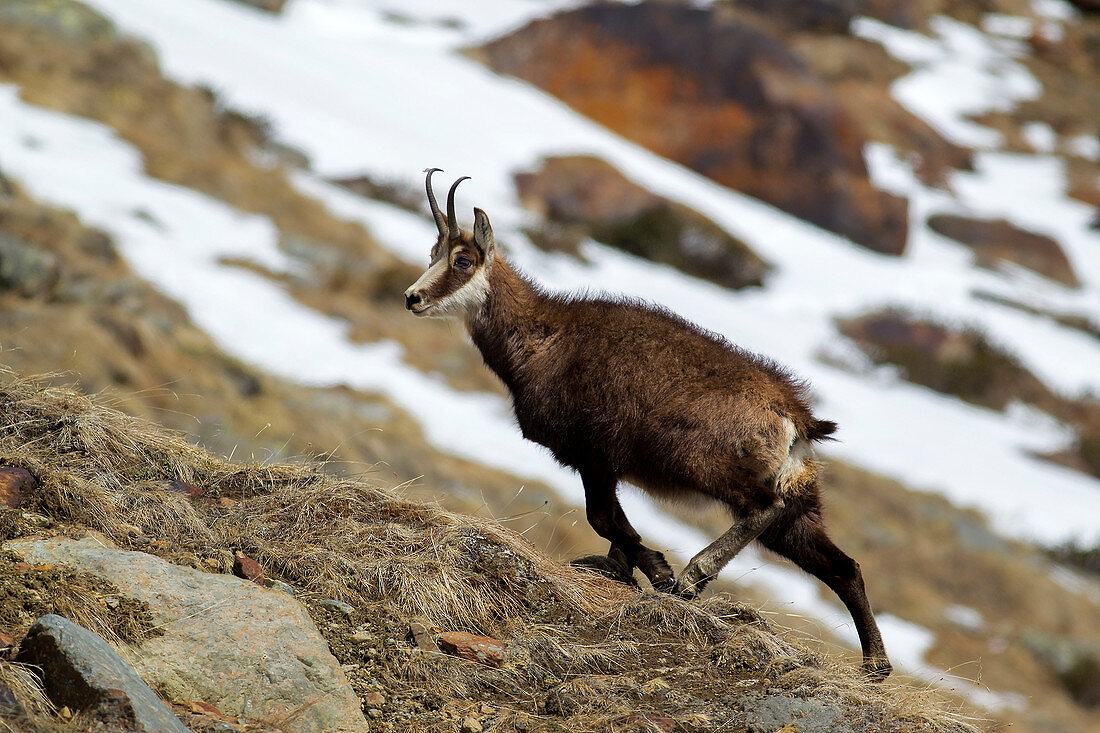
[(803, 540), (606, 516), (704, 567)]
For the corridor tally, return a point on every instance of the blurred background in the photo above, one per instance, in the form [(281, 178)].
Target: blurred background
[(209, 210)]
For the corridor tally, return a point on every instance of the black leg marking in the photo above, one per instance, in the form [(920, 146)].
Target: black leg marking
[(804, 541), (608, 566), (606, 516)]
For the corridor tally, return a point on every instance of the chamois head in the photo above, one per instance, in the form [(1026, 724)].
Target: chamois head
[(456, 281)]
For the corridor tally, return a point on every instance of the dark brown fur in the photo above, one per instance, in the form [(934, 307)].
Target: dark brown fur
[(634, 389)]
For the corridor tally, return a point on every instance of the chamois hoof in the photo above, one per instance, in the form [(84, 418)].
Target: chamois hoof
[(667, 585), (688, 593), (876, 670), (608, 567), (689, 590)]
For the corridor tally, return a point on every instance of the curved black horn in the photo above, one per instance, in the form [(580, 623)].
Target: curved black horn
[(440, 222), (452, 224)]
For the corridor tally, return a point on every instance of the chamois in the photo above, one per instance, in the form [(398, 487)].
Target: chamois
[(621, 389)]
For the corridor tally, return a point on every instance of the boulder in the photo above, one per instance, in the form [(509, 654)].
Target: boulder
[(247, 568), (15, 483), (587, 196), (783, 713), (724, 97), (998, 240), (481, 649), (82, 672), (247, 650)]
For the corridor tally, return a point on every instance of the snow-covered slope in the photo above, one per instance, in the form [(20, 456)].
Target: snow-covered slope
[(359, 91)]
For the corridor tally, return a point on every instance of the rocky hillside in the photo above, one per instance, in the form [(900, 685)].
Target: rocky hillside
[(277, 597), (171, 236)]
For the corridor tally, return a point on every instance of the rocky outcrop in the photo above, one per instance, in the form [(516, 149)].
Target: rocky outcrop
[(585, 196), (247, 650), (997, 240), (721, 96), (82, 672), (960, 362)]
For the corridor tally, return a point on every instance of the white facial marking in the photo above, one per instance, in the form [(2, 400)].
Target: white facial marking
[(464, 302), (467, 300), (433, 273)]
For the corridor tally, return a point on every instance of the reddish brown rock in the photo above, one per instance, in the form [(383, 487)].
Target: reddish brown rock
[(182, 487), (203, 708), (15, 484), (247, 568), (225, 502), (374, 699), (588, 196), (6, 640), (481, 649), (730, 100), (998, 240), (22, 567)]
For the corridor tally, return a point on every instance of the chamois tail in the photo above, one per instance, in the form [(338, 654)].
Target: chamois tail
[(821, 430)]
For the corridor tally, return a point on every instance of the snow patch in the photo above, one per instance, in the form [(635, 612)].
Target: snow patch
[(957, 73), (1040, 136)]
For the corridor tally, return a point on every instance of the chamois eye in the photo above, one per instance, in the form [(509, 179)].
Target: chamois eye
[(463, 263)]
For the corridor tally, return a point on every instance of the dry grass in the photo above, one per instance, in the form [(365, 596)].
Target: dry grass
[(96, 466), (582, 650), (26, 688)]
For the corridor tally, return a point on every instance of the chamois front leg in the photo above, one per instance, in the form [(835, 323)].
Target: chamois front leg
[(705, 566), (606, 516)]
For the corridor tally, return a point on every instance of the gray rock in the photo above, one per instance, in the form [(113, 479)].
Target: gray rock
[(279, 586), (26, 268), (810, 716), (248, 650), (339, 606), (82, 671)]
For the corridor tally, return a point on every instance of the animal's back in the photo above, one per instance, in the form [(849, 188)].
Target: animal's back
[(635, 385)]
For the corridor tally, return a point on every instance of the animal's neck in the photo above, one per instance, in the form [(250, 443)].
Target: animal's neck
[(510, 323)]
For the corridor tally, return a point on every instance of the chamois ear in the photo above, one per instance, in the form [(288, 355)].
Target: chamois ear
[(483, 235)]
